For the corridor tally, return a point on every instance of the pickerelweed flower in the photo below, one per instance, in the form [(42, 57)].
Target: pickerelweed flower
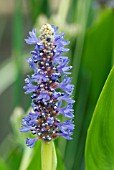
[(50, 75)]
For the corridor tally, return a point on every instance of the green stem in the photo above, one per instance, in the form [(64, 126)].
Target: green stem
[(48, 154)]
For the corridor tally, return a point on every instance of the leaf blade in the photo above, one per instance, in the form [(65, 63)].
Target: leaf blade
[(99, 152)]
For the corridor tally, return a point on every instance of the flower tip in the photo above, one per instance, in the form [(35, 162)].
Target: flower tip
[(26, 40)]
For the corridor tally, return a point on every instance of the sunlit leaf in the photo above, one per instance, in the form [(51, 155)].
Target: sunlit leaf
[(100, 138)]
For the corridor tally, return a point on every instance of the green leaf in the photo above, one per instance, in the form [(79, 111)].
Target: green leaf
[(36, 158), (82, 10), (97, 55), (99, 153), (37, 8), (14, 158), (31, 157), (3, 165), (75, 148), (26, 158), (15, 120), (48, 154), (8, 64), (60, 163)]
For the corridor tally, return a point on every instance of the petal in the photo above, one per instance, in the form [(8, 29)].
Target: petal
[(30, 142), (25, 129), (33, 38)]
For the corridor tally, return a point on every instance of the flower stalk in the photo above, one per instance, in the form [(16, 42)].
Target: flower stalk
[(49, 159)]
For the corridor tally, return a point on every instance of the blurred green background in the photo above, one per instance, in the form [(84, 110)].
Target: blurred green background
[(89, 25)]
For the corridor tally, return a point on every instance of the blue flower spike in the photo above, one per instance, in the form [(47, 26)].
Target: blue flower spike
[(50, 74)]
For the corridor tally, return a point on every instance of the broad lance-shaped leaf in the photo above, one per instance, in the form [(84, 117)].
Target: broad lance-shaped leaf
[(99, 153), (48, 155)]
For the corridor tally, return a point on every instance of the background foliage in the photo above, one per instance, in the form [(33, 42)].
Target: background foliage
[(89, 25)]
